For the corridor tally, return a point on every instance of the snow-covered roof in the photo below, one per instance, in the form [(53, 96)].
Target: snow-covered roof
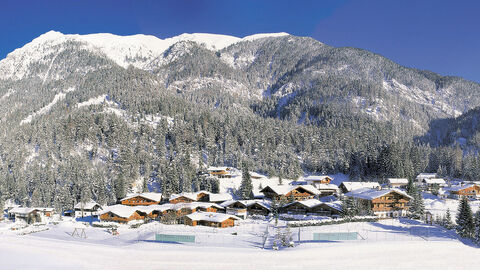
[(426, 175), (21, 210), (247, 203), (307, 203), (256, 175), (44, 209), (398, 181), (316, 177), (257, 194), (147, 195), (311, 203), (209, 216), (212, 168), (432, 181), (358, 185), (285, 189), (220, 197), (337, 205), (458, 188), (124, 210), (189, 195), (370, 194), (86, 206), (326, 187)]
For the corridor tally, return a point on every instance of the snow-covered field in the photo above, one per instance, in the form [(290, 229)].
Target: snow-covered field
[(134, 248)]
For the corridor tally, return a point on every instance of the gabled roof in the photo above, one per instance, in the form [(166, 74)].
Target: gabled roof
[(209, 216), (124, 211), (326, 187), (432, 181), (86, 206), (22, 210), (257, 175), (311, 203), (285, 189), (189, 195), (317, 177), (147, 195), (426, 175), (307, 203), (398, 181), (220, 197), (247, 203), (335, 205), (358, 185), (370, 194), (458, 188)]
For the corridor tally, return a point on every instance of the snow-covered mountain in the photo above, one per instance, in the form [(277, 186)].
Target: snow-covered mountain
[(135, 50)]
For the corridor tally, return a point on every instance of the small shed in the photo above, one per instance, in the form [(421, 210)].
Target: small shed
[(90, 208)]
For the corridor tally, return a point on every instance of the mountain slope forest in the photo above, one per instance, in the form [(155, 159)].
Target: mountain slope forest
[(98, 116)]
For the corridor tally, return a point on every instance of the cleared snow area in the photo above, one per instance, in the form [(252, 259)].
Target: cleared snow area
[(46, 108), (93, 101), (394, 248), (439, 206)]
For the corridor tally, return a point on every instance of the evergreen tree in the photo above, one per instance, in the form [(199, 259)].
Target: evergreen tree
[(349, 207), (465, 223), (476, 234), (145, 185), (447, 220), (246, 184)]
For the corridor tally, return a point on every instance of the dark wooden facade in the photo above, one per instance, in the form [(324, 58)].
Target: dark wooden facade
[(138, 200), (298, 194), (230, 222), (182, 199), (109, 216)]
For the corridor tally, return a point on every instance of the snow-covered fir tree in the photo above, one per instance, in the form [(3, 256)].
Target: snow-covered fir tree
[(246, 187), (476, 233), (465, 223)]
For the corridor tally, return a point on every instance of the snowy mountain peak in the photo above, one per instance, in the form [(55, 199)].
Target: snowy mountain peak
[(137, 50)]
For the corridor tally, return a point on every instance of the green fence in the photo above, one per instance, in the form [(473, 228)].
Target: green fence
[(335, 236), (173, 238)]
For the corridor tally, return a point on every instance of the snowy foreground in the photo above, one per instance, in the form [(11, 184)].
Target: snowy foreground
[(388, 244)]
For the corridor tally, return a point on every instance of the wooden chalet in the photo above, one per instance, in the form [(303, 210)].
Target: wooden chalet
[(298, 193), (429, 183), (176, 211), (217, 220), (90, 208), (221, 172), (424, 176), (317, 179), (200, 196), (147, 198), (242, 208), (470, 191), (397, 182), (122, 214), (25, 214), (183, 198), (383, 203), (313, 206)]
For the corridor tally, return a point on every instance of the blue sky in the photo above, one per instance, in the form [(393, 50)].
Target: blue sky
[(441, 36)]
